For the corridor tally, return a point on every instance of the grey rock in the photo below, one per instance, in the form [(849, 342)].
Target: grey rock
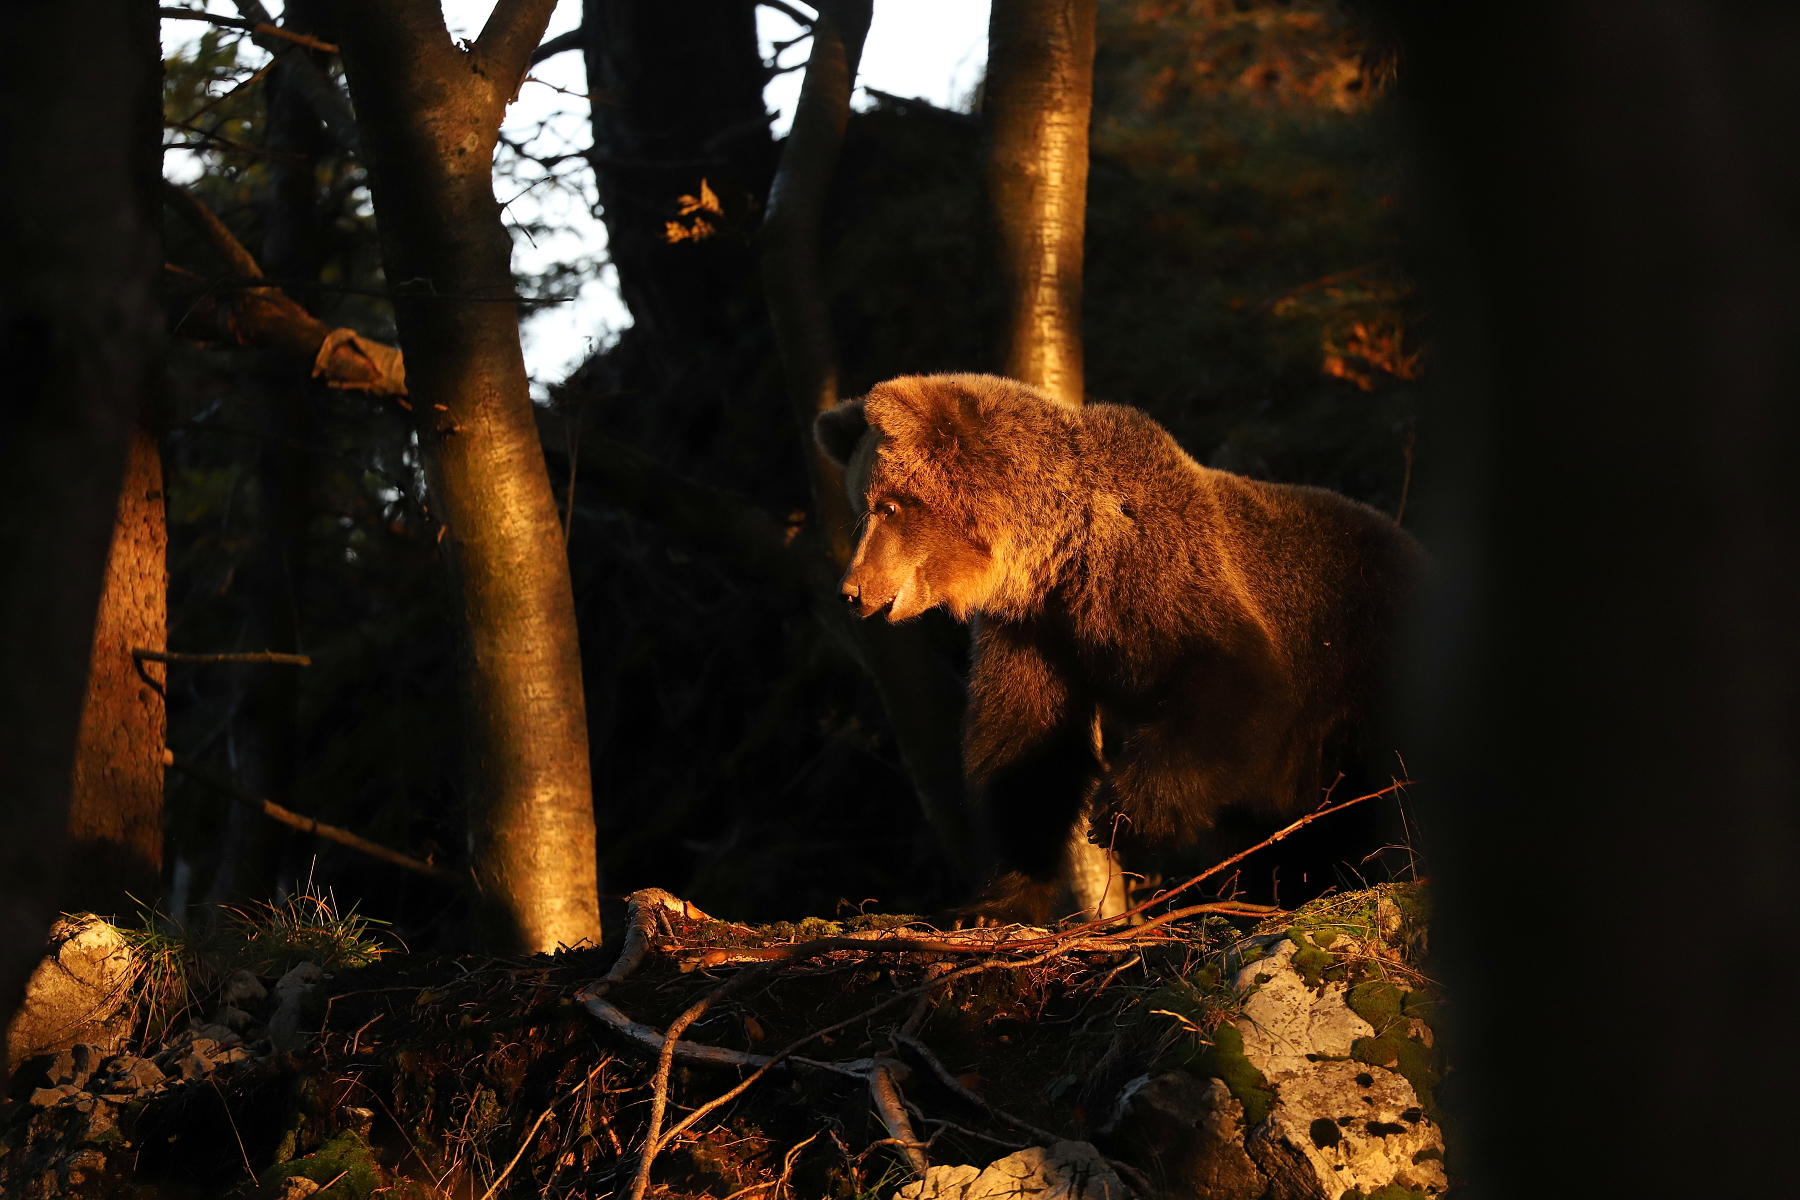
[(44, 1097), (139, 1074), (241, 986), (233, 1018), (940, 1183), (77, 992), (74, 1065), (1063, 1171), (291, 992), (297, 1187), (1330, 1131), (1284, 1020), (191, 1066), (357, 1119)]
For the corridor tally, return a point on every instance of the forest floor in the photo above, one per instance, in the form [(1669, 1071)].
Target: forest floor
[(820, 1059)]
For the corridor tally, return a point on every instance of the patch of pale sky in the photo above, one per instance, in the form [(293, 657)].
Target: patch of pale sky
[(932, 49)]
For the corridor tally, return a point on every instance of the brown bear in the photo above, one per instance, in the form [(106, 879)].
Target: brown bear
[(1161, 646)]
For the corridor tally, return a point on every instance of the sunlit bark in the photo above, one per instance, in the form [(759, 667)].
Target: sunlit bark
[(116, 814), (430, 112), (1040, 87), (82, 329), (1040, 91)]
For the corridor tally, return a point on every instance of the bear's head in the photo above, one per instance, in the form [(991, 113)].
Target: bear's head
[(957, 481)]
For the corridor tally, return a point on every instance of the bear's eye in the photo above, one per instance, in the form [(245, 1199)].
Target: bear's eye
[(889, 509)]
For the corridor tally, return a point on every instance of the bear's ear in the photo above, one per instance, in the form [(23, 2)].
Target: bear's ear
[(837, 430)]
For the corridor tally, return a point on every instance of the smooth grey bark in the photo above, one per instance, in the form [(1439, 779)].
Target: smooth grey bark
[(430, 112), (1039, 96)]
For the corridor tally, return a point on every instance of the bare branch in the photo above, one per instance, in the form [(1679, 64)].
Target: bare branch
[(267, 316), (207, 223), (262, 27), (787, 10), (258, 656), (571, 40)]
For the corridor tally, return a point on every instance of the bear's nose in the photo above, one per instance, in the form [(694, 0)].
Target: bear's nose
[(852, 593)]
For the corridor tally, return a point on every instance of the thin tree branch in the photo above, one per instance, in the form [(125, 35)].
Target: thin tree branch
[(787, 10), (259, 656), (253, 27), (267, 316), (572, 40), (207, 223), (305, 824)]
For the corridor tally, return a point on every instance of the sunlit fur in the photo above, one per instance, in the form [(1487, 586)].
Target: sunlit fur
[(1227, 631)]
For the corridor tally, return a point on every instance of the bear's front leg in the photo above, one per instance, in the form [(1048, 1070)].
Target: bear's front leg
[(1031, 764)]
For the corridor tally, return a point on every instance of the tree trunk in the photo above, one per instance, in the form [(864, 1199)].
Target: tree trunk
[(1610, 692), (116, 814), (679, 90), (430, 114), (82, 327), (1040, 90), (923, 698)]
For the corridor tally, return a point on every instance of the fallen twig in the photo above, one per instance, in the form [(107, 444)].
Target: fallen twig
[(884, 1090), (961, 941)]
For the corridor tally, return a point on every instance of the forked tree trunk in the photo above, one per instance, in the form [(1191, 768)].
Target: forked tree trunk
[(82, 328), (1040, 91), (116, 815), (923, 699), (430, 113)]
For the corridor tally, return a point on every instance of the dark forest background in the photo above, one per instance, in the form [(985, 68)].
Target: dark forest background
[(1244, 286)]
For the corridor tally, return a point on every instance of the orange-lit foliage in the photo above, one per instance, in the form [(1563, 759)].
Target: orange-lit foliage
[(1244, 282), (1300, 53), (1370, 348), (698, 229)]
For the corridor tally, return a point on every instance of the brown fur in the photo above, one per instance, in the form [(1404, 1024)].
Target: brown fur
[(1228, 632)]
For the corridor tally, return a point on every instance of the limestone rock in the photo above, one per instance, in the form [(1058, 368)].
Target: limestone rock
[(76, 994), (1336, 1126), (1284, 1020), (1063, 1171), (940, 1183), (291, 993)]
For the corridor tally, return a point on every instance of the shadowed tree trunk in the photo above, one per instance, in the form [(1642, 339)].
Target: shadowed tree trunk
[(1040, 89), (82, 329), (257, 858), (116, 814), (1612, 693), (430, 112), (923, 698), (679, 100)]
